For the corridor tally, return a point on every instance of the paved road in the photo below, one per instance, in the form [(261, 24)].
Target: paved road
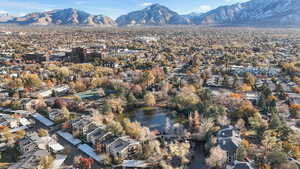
[(198, 161)]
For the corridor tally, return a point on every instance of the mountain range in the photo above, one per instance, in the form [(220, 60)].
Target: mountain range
[(253, 12), (68, 16), (4, 17), (153, 15)]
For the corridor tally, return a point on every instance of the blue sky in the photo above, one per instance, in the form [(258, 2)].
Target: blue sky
[(112, 8)]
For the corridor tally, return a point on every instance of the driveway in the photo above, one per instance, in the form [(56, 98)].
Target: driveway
[(198, 161)]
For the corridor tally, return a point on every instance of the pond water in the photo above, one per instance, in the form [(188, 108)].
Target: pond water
[(154, 118)]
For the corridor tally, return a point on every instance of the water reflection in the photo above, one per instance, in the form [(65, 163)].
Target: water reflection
[(154, 118)]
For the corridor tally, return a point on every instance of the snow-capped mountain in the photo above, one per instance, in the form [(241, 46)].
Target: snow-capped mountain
[(272, 12), (5, 17), (63, 17), (153, 15)]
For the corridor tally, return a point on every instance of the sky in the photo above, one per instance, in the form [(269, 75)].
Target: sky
[(112, 8)]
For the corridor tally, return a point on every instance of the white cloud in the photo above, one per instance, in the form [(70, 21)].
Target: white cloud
[(80, 2), (235, 1), (3, 12), (205, 8), (146, 4)]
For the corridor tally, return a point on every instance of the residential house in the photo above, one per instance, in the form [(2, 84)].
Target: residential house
[(78, 126), (123, 148), (97, 135), (8, 121), (136, 164), (28, 143), (86, 130), (229, 140), (240, 165), (55, 115)]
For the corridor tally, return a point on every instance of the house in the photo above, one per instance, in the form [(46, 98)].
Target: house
[(253, 97), (28, 143), (55, 115), (8, 121), (42, 93), (79, 125), (106, 140), (240, 165), (3, 120), (88, 129), (61, 90), (229, 140), (97, 135), (35, 58), (135, 164), (55, 147), (123, 148)]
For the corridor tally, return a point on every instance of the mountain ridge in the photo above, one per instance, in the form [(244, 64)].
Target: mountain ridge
[(69, 16), (253, 12), (155, 14)]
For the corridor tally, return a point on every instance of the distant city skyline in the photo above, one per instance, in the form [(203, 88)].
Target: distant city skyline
[(112, 9)]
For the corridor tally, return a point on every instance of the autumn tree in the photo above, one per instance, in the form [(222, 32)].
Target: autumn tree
[(46, 162), (152, 149), (42, 132), (186, 101), (115, 105), (241, 153), (217, 157), (31, 81), (66, 113), (250, 79), (150, 99)]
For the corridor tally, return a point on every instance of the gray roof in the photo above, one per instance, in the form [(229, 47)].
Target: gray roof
[(121, 143), (242, 165)]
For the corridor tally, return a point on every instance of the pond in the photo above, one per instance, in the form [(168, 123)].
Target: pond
[(155, 117), (89, 95)]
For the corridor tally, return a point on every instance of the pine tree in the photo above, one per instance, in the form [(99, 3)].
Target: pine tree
[(197, 120)]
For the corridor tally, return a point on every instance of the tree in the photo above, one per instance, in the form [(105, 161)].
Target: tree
[(134, 129), (270, 141), (87, 163), (257, 122), (240, 124), (295, 89), (241, 153), (197, 122), (115, 127), (186, 101), (66, 113), (206, 125), (250, 79), (20, 134), (275, 121), (245, 88), (147, 79), (115, 105), (152, 149), (46, 162), (295, 111), (79, 86), (76, 160), (223, 120), (150, 99), (42, 132), (276, 158), (63, 73), (181, 151), (106, 159), (217, 158), (31, 81)]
